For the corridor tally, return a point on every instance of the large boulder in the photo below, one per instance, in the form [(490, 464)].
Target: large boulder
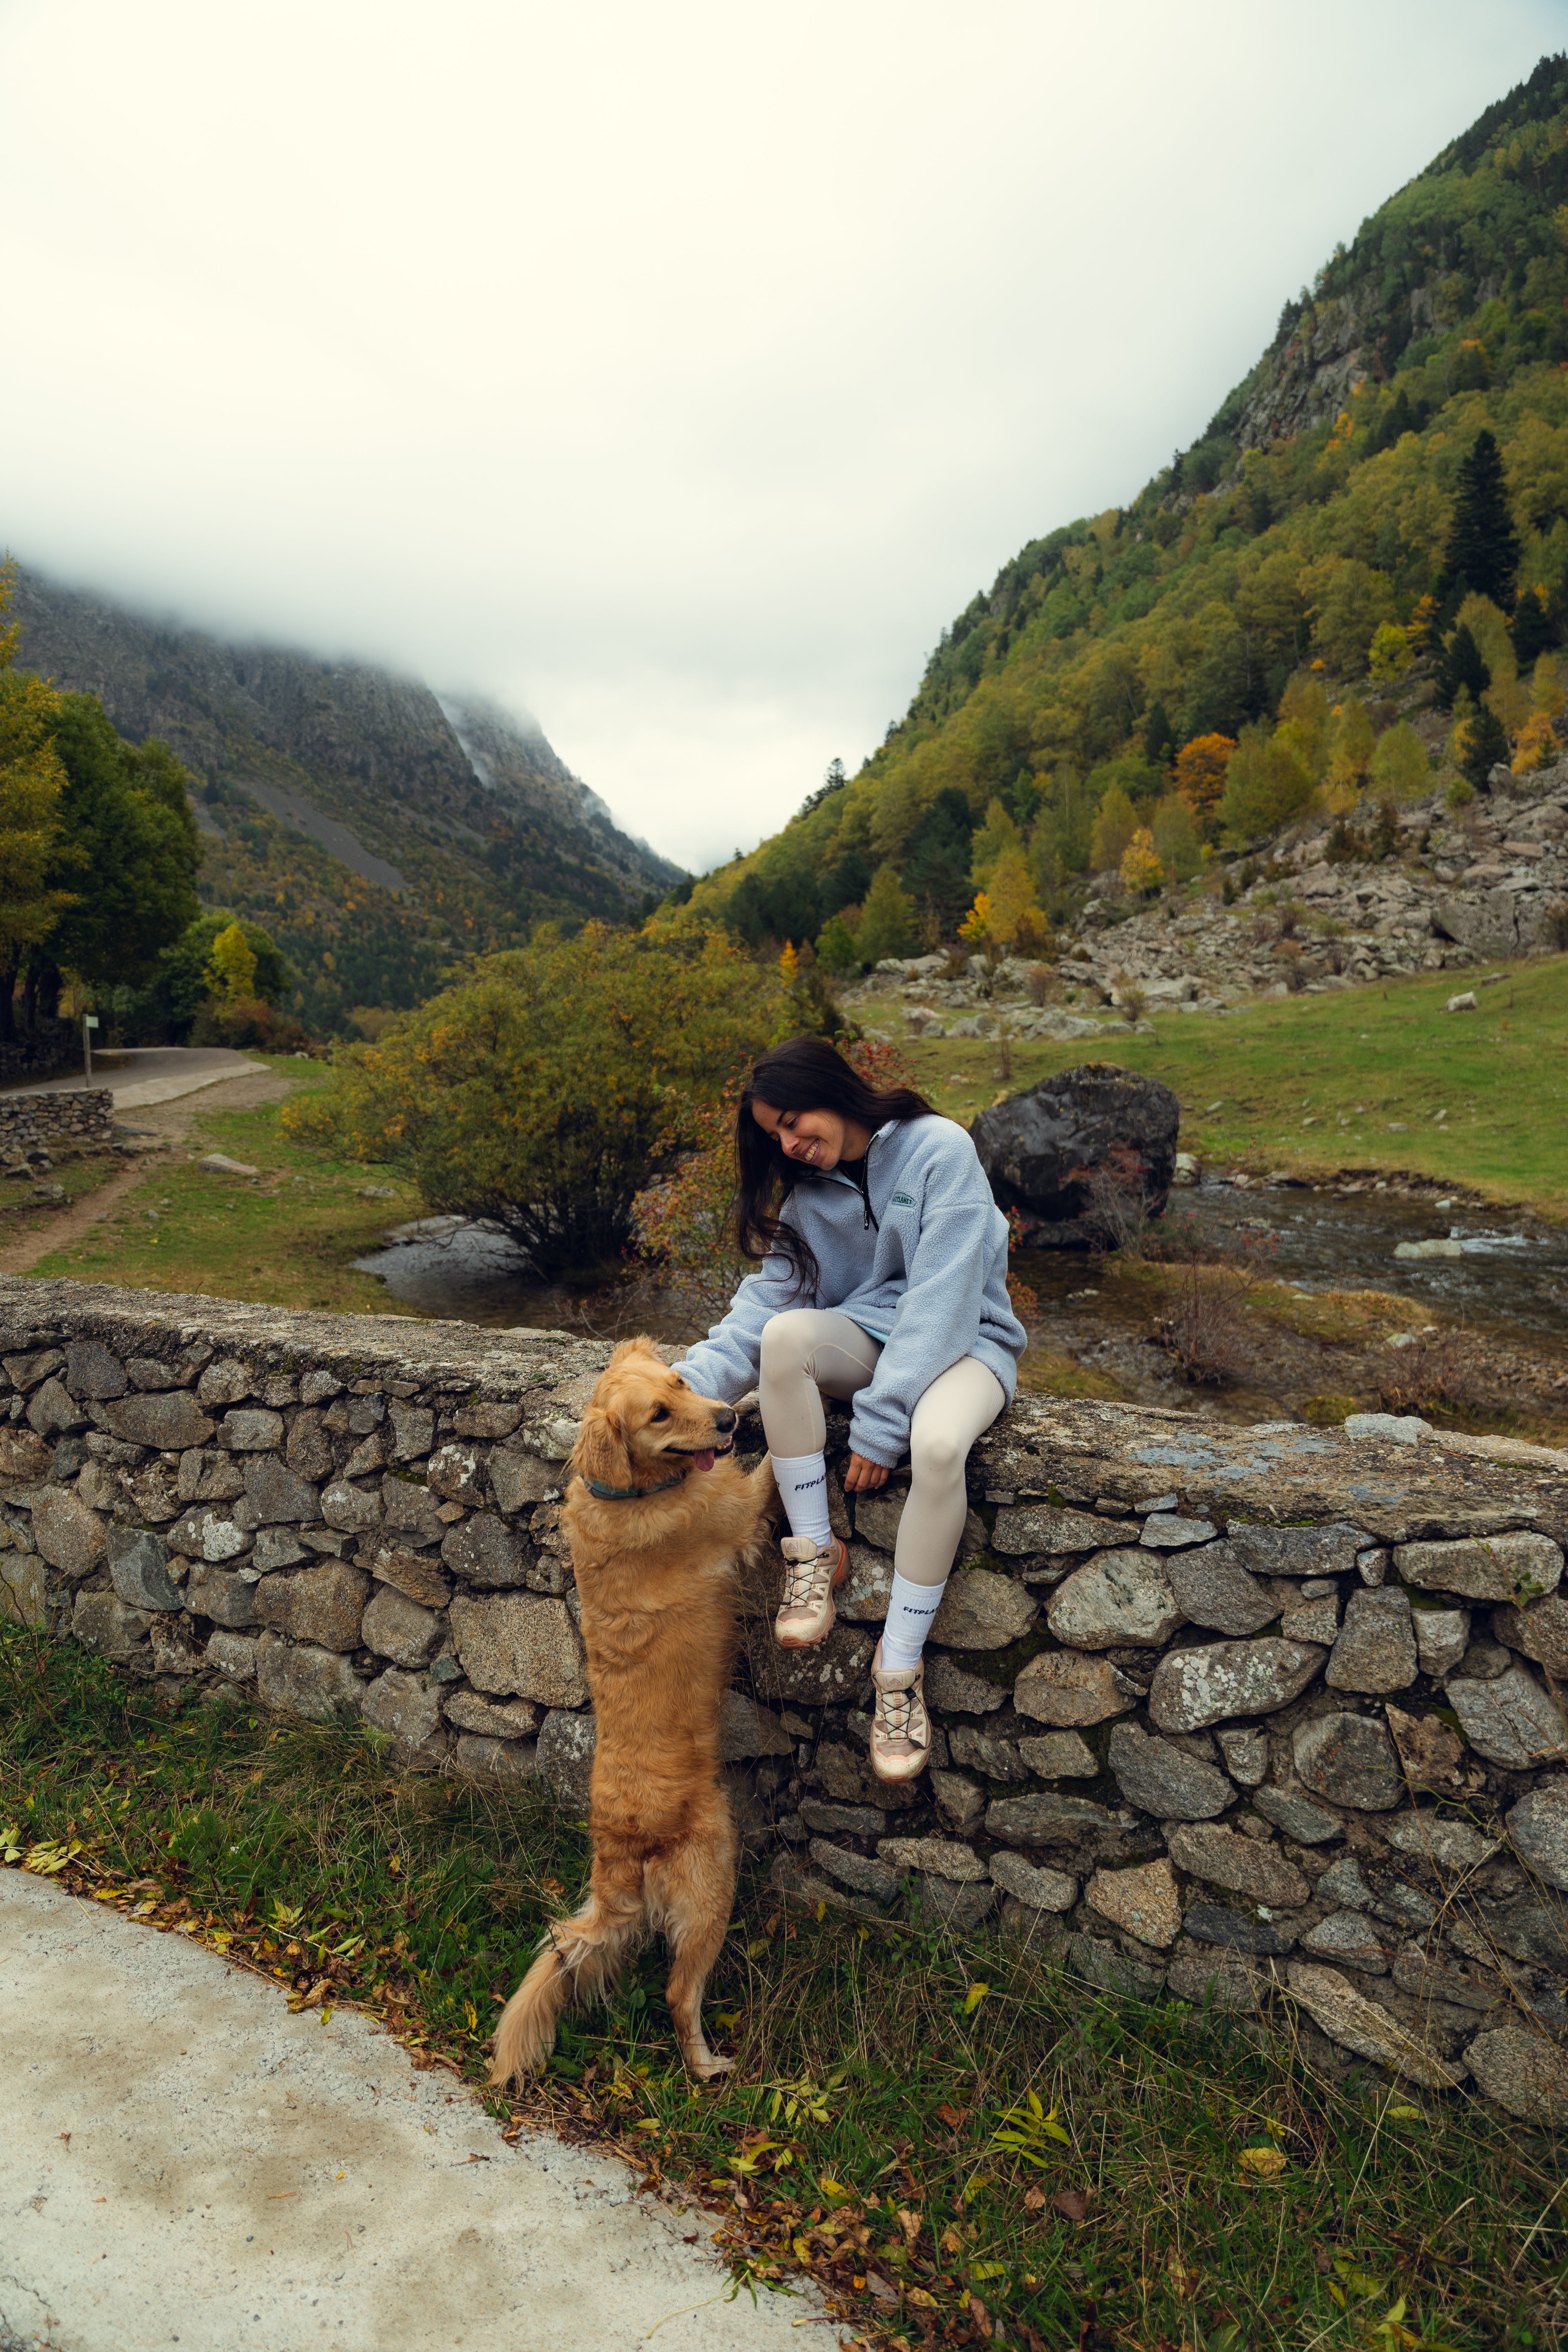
[(1040, 1150)]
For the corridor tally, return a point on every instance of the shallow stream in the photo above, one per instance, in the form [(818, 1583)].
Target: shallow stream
[(1510, 1282)]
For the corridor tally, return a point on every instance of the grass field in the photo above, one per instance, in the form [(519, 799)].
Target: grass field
[(1355, 1080), (287, 1238), (960, 2144)]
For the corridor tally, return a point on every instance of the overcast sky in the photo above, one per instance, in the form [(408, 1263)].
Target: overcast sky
[(676, 372)]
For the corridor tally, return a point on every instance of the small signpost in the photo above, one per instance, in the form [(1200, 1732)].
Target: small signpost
[(88, 1024)]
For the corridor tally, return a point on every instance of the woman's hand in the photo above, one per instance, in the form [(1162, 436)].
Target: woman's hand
[(862, 1475)]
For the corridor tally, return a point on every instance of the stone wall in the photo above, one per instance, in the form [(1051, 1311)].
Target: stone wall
[(34, 1121), (1219, 1710)]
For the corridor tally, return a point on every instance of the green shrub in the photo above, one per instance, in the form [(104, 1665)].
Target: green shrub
[(545, 1089)]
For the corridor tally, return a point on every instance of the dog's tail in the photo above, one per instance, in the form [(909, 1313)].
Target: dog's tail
[(582, 1956), (526, 2033)]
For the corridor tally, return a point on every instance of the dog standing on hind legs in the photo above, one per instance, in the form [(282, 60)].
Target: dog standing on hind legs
[(658, 1523)]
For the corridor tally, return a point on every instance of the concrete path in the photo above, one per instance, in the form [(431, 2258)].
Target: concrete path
[(157, 1073), (184, 2161)]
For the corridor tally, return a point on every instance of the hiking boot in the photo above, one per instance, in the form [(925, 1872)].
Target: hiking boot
[(813, 1573), (900, 1728)]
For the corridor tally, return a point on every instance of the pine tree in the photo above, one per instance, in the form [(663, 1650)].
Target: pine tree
[(1159, 738), (1533, 633), (1485, 745), (1483, 545), (1399, 419), (1460, 664)]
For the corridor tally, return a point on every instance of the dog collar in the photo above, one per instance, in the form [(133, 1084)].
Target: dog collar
[(630, 1493)]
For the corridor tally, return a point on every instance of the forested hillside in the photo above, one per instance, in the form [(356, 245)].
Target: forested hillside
[(375, 830), (1342, 551)]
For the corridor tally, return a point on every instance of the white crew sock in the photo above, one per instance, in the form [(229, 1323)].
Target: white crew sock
[(911, 1609), (803, 1482)]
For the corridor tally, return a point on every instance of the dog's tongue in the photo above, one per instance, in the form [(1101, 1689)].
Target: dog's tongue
[(704, 1461)]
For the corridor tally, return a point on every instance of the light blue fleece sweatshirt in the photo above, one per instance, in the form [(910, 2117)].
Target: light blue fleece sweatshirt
[(928, 1279)]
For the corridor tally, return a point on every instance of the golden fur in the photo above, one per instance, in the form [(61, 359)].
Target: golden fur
[(657, 1578)]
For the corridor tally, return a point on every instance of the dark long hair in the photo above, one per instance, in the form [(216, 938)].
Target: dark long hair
[(803, 1073)]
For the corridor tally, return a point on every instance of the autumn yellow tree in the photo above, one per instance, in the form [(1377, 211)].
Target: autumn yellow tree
[(1399, 766), (1114, 827), (31, 783), (976, 925), (1349, 747), (1140, 867), (232, 971), (32, 780), (1391, 654), (1304, 724), (888, 924), (1014, 918), (997, 835), (1201, 767), (1536, 743), (1176, 843)]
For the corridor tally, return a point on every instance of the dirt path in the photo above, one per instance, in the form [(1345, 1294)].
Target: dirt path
[(172, 1123), (184, 2161), (64, 1225)]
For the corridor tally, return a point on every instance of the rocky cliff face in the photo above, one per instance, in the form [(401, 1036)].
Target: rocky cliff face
[(445, 801)]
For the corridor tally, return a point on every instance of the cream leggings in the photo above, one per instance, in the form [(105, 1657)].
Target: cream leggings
[(812, 1352)]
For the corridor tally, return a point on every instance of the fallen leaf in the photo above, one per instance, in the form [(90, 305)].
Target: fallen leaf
[(879, 2286), (1073, 2203), (910, 2223), (1264, 2163), (953, 2118), (980, 2316), (952, 2243), (973, 1997), (1034, 2200), (1183, 2277)]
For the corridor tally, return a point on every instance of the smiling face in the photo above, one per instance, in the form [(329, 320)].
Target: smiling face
[(644, 1424), (817, 1138)]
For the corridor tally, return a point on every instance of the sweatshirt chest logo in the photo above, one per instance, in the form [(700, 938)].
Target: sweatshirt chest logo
[(903, 1201)]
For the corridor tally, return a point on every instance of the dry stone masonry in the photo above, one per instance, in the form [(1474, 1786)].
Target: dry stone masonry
[(32, 1122), (1238, 1716)]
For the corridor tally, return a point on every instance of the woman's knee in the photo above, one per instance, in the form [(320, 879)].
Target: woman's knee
[(787, 1339), (936, 1457)]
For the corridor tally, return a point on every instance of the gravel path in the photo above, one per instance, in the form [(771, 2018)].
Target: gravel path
[(157, 1073), (184, 2161)]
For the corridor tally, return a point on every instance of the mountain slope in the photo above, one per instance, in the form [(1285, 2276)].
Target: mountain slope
[(373, 826), (1315, 506)]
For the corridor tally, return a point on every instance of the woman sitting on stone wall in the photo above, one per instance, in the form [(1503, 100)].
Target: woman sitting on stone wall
[(883, 1281)]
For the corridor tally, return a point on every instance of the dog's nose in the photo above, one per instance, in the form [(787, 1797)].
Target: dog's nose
[(725, 1419)]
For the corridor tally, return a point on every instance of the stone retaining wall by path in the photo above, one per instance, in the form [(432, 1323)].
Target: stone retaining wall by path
[(30, 1121), (1222, 1710)]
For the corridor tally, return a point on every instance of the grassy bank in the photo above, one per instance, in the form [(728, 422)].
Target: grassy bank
[(960, 2145), (287, 1238), (1356, 1078)]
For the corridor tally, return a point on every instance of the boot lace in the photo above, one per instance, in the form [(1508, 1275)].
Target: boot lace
[(897, 1709), (806, 1580)]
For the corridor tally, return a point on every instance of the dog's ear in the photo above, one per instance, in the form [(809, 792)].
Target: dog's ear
[(600, 1453)]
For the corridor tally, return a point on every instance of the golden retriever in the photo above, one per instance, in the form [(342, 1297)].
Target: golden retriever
[(656, 1551)]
